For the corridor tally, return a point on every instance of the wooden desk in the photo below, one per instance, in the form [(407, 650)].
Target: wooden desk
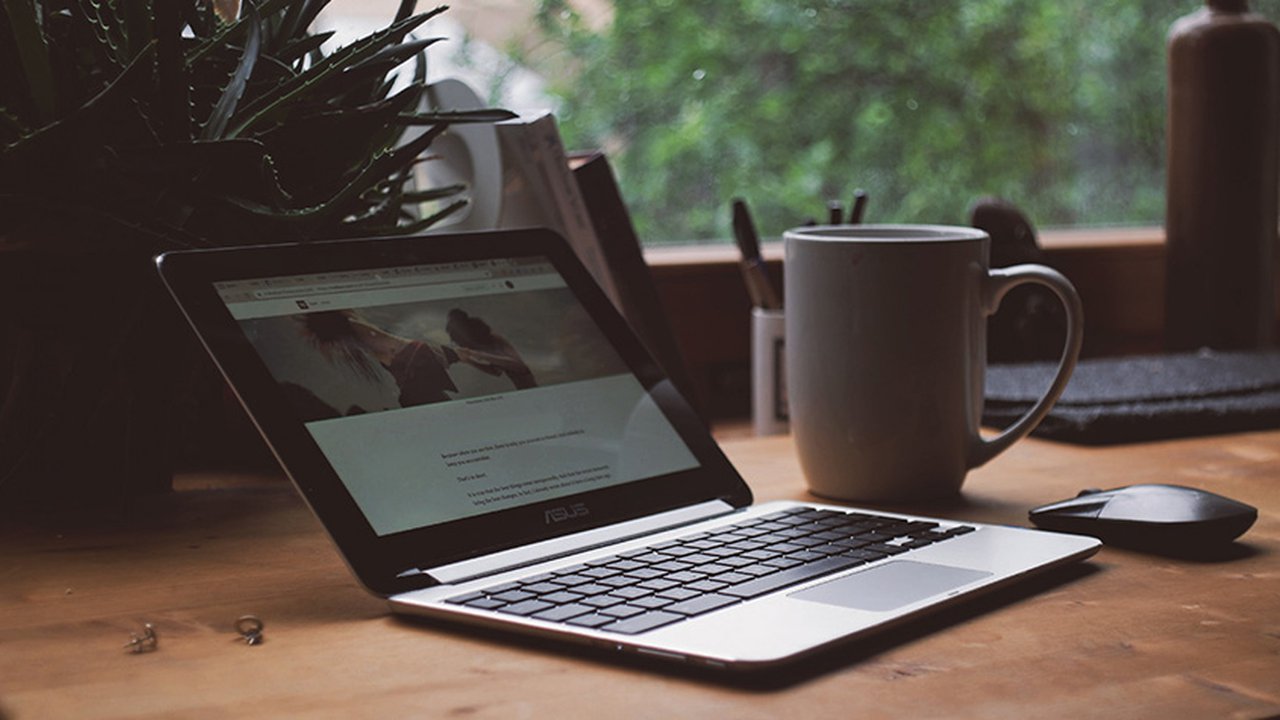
[(1128, 635)]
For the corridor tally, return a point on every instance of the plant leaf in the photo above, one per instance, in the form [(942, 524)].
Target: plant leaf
[(267, 106), (346, 201), (313, 176), (71, 141), (406, 9), (171, 110), (33, 52), (456, 117), (242, 167), (231, 33), (421, 196), (231, 95), (299, 48), (139, 26)]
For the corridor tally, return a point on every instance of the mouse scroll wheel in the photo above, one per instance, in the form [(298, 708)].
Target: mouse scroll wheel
[(1089, 491)]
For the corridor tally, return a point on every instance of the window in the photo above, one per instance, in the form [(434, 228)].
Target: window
[(1056, 106)]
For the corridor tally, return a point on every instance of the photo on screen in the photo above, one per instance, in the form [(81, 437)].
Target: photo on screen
[(336, 363)]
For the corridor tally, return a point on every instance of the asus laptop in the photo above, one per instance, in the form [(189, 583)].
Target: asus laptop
[(487, 441)]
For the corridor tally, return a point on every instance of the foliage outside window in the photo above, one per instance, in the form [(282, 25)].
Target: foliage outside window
[(1056, 106)]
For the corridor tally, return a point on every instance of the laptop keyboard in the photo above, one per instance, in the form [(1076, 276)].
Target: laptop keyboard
[(644, 589)]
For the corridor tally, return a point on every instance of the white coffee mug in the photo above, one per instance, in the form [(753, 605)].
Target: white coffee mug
[(886, 356)]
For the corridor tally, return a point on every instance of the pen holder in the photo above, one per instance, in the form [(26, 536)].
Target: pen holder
[(768, 372)]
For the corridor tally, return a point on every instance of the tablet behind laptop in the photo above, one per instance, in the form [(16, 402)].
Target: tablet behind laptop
[(486, 440)]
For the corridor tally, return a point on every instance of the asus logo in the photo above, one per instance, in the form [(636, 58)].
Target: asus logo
[(560, 514)]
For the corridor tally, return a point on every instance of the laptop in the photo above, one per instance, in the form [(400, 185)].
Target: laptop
[(486, 441)]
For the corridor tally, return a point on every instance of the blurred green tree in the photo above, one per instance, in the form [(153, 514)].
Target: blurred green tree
[(1057, 106)]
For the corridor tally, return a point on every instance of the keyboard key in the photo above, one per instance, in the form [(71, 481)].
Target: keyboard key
[(805, 556), (485, 603), (730, 578), (701, 604), (652, 602), (724, 551), (528, 607), (657, 584), (602, 601), (570, 579), (540, 588), (593, 620), (622, 611), (886, 549), (589, 589), (705, 586), (783, 563), (757, 570), (563, 612), (618, 581), (644, 623), (561, 597), (464, 599), (679, 593), (630, 593), (512, 596)]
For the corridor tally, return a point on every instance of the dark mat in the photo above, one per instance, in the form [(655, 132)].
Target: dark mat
[(1148, 397)]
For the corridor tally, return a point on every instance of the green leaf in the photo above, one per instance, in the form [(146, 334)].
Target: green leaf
[(346, 202), (298, 49), (231, 33), (271, 105), (171, 111), (33, 52), (73, 140), (295, 24), (139, 25), (421, 196), (242, 167), (315, 175), (406, 9), (456, 117), (231, 95)]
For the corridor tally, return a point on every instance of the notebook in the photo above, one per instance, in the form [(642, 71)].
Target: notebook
[(487, 442)]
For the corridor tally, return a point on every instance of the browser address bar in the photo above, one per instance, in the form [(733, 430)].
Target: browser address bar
[(378, 283)]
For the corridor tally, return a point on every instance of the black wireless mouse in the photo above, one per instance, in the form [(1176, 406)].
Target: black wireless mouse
[(1168, 518)]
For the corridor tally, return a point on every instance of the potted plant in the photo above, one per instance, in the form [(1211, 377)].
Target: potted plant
[(130, 127)]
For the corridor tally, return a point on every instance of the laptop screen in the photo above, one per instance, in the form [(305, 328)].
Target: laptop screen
[(444, 391)]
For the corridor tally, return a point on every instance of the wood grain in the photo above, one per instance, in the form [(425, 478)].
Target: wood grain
[(1128, 635)]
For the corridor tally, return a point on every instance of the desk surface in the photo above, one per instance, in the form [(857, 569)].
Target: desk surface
[(1125, 635)]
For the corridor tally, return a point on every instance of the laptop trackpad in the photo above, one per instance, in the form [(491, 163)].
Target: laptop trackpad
[(890, 586)]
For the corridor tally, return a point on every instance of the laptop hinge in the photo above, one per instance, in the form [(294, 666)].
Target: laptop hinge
[(569, 544)]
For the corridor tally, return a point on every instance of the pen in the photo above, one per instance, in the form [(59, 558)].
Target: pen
[(859, 206), (753, 268), (835, 212)]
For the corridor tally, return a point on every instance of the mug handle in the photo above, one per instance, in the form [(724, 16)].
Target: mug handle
[(998, 283)]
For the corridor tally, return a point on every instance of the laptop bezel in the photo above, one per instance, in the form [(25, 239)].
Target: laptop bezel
[(381, 562)]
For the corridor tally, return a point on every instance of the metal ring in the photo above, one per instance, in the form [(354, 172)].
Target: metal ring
[(249, 625)]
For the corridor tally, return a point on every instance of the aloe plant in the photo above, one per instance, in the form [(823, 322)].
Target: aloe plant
[(128, 127), (191, 122)]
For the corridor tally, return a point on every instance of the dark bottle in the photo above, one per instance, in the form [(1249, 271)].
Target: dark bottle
[(1222, 188)]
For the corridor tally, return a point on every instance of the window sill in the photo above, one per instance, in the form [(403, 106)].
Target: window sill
[(1053, 241)]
